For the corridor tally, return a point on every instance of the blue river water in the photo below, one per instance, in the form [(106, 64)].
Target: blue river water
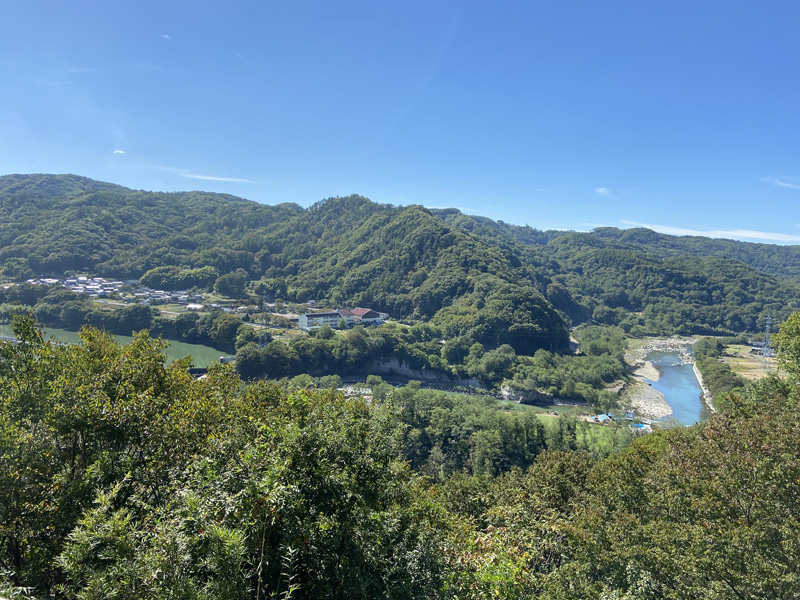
[(680, 388)]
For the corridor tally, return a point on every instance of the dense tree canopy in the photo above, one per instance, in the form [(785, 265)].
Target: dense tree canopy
[(121, 476)]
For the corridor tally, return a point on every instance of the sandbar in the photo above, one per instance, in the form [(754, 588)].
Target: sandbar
[(647, 371), (647, 401)]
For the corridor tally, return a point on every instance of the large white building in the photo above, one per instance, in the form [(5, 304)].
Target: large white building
[(365, 316), (314, 320)]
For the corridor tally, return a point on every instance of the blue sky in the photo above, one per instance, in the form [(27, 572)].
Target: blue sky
[(681, 116)]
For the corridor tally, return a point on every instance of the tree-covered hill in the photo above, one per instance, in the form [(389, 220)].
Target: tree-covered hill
[(782, 261), (496, 282), (50, 224), (773, 259), (649, 282), (684, 294), (403, 260)]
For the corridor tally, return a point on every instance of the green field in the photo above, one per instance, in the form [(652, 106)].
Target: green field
[(202, 356)]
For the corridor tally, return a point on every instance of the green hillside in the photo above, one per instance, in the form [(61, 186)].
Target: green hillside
[(652, 283), (348, 250), (409, 261)]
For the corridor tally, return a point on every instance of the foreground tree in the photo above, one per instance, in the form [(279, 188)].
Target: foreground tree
[(788, 342), (122, 476)]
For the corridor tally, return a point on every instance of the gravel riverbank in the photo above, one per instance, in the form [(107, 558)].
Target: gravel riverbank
[(638, 356), (646, 401)]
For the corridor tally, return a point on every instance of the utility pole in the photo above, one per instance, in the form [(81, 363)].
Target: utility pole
[(262, 338)]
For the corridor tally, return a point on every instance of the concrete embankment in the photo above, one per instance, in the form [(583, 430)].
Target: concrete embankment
[(706, 392)]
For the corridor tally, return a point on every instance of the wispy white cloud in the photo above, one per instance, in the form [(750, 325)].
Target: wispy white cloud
[(190, 175), (602, 191), (164, 36), (215, 178), (539, 190), (779, 182), (118, 152), (736, 234), (82, 70)]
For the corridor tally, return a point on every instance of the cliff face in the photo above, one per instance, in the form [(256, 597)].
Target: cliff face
[(395, 367), (528, 396)]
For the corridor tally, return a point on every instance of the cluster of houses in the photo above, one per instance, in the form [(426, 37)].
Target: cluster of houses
[(131, 291), (96, 287), (354, 316), (99, 287), (146, 296)]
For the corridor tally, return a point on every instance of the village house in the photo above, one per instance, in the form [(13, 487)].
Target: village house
[(366, 316)]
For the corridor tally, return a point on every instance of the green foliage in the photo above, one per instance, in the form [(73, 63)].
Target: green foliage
[(712, 514), (271, 288), (495, 282), (787, 340), (684, 295), (650, 283), (119, 476), (330, 382), (718, 376), (175, 278), (122, 478), (9, 311), (402, 260), (225, 330), (231, 285), (360, 350), (779, 260), (580, 378), (449, 434), (709, 347)]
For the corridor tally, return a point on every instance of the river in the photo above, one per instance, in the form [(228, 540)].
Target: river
[(680, 388), (202, 356)]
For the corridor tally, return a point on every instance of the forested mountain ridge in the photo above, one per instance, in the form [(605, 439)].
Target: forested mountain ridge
[(782, 261), (54, 223), (685, 294), (773, 259), (344, 250), (649, 282), (409, 261)]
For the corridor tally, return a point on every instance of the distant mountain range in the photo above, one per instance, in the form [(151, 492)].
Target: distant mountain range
[(468, 272)]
